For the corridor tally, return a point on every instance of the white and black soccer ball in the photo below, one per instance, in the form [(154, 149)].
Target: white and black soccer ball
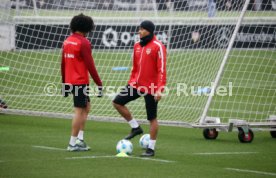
[(124, 146), (144, 141)]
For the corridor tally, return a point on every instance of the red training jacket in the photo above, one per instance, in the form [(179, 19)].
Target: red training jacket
[(77, 61), (149, 67)]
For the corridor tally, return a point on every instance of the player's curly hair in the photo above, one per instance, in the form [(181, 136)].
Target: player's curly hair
[(82, 23)]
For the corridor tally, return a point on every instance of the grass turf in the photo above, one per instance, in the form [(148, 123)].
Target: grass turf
[(18, 157)]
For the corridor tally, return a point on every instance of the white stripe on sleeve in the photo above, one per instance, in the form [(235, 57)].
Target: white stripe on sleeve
[(162, 55)]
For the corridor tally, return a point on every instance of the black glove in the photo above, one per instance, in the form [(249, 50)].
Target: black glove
[(100, 91), (65, 90)]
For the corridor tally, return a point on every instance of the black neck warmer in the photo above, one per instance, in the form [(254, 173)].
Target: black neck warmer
[(146, 39)]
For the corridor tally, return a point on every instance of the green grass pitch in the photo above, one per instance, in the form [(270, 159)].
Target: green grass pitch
[(179, 152), (35, 146)]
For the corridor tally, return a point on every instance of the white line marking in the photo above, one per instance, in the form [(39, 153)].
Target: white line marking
[(225, 153), (251, 171), (48, 148), (151, 159), (90, 157), (132, 157)]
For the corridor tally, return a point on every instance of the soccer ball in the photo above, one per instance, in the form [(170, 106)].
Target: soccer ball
[(144, 141), (124, 146)]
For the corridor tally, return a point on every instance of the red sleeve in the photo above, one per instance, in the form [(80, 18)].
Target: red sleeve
[(161, 65), (86, 55), (133, 70), (62, 67)]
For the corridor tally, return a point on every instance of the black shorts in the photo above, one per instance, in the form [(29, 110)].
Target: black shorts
[(80, 95), (129, 94)]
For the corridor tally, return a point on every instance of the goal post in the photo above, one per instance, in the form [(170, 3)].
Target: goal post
[(201, 56), (223, 63)]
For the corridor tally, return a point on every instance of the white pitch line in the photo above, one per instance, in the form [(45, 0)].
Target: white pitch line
[(153, 159), (132, 157), (48, 148), (225, 153), (252, 171), (90, 157)]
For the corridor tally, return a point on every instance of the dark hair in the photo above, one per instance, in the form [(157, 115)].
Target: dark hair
[(82, 23)]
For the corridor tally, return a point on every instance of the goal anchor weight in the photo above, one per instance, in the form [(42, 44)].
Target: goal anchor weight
[(272, 119), (212, 125), (210, 134), (273, 133), (245, 134)]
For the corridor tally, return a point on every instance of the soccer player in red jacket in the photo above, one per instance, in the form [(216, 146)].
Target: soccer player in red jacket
[(76, 65), (148, 79)]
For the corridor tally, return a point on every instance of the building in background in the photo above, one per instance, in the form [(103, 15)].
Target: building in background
[(177, 5)]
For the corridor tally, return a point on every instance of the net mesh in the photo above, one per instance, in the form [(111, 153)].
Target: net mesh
[(196, 34)]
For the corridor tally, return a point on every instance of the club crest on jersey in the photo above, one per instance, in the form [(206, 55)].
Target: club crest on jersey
[(148, 51)]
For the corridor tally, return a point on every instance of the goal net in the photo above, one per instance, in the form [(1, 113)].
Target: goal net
[(196, 33)]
